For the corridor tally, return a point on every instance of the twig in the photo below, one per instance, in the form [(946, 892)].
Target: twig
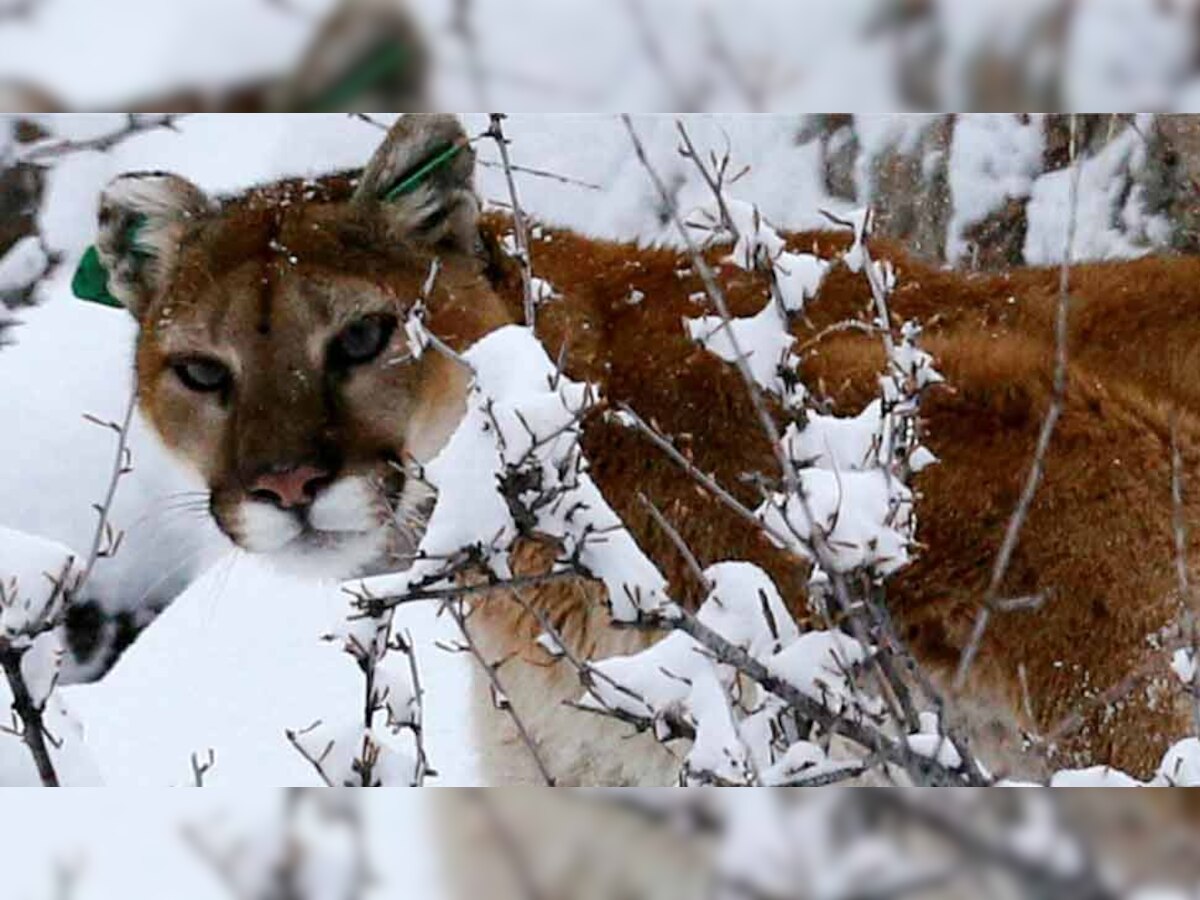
[(716, 184), (487, 163), (104, 543), (28, 712), (677, 539), (200, 767), (404, 643), (717, 295), (134, 124), (543, 173), (33, 725), (714, 181), (836, 328), (317, 762), (501, 697), (496, 132), (835, 723), (1058, 396), (121, 467), (462, 591), (816, 539)]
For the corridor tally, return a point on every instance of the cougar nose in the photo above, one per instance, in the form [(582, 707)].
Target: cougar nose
[(290, 488)]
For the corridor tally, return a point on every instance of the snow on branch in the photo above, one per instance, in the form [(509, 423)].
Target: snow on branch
[(384, 745), (514, 469)]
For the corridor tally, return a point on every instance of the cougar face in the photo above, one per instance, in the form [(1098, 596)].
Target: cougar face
[(274, 354)]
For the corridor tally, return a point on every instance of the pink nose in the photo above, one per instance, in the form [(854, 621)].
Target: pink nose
[(289, 488)]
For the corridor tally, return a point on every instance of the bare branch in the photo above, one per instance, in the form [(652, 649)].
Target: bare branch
[(121, 468), (135, 124), (1017, 521), (462, 591), (502, 699), (865, 736), (33, 725), (201, 767), (496, 132), (543, 173), (317, 762), (677, 539)]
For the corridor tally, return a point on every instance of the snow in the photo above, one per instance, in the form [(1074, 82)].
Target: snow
[(762, 339), (1184, 663), (1100, 206), (70, 359), (663, 56), (245, 632), (234, 663), (1180, 767), (854, 511), (32, 573), (993, 159), (975, 26), (932, 742), (1039, 837), (879, 134), (1181, 764), (522, 428), (747, 610), (820, 664)]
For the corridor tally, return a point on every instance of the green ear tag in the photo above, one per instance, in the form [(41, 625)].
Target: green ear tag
[(409, 182), (91, 280)]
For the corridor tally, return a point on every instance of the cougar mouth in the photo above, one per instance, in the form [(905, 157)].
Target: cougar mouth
[(358, 525)]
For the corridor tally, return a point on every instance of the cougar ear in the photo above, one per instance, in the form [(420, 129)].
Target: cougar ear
[(422, 177), (143, 216)]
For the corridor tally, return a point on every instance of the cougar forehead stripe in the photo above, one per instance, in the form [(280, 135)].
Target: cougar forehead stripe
[(270, 272)]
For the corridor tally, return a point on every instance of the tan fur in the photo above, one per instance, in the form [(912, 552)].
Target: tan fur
[(1097, 542)]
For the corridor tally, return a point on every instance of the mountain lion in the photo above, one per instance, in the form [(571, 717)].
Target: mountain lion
[(272, 358)]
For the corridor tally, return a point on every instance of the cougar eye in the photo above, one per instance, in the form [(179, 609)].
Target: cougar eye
[(203, 375), (361, 341)]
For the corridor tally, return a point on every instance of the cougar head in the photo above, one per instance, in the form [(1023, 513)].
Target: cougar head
[(273, 352)]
